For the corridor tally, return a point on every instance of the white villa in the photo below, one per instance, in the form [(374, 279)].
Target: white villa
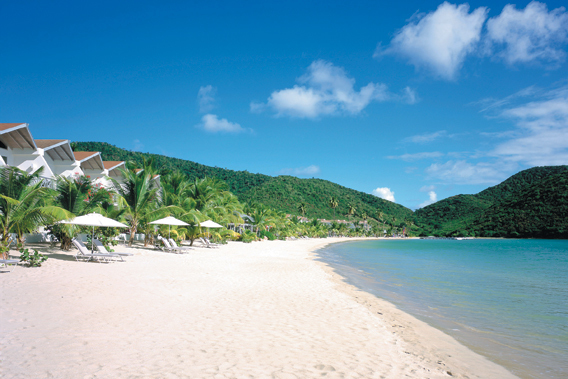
[(18, 148)]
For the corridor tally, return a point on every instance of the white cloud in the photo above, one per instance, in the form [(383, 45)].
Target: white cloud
[(542, 135), (532, 34), (301, 171), (326, 90), (424, 138), (416, 156), (213, 124), (432, 199), (384, 193), (462, 172), (439, 41), (410, 96), (206, 98)]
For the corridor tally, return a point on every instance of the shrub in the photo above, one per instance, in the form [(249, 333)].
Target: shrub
[(33, 260), (267, 234), (248, 236)]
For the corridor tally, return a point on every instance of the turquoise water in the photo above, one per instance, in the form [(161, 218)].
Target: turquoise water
[(505, 299)]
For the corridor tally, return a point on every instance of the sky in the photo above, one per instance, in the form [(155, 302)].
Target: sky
[(412, 101)]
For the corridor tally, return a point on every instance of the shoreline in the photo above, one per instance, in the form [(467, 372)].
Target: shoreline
[(266, 309), (461, 362)]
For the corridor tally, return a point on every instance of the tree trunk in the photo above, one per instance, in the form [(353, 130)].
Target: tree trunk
[(132, 233)]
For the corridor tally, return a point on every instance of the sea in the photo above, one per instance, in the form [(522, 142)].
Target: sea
[(506, 299)]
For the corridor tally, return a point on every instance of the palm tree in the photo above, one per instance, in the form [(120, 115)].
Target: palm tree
[(25, 204), (351, 210), (333, 203), (78, 196), (302, 208), (139, 194)]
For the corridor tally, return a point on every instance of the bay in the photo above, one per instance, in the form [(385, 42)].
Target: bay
[(505, 299)]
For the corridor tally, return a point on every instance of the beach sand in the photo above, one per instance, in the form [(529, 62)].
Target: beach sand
[(261, 310)]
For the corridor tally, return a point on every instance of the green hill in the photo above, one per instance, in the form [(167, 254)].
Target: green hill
[(283, 193), (531, 203)]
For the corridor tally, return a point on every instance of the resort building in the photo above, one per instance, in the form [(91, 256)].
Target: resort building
[(55, 156)]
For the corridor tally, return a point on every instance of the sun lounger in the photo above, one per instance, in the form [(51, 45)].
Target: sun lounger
[(208, 243), (102, 249), (174, 245), (85, 255), (6, 263), (169, 248)]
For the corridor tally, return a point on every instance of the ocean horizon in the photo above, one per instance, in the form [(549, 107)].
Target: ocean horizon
[(505, 299)]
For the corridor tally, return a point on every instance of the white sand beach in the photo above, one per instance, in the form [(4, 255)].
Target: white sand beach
[(261, 310)]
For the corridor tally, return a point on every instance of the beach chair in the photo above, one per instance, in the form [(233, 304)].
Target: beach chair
[(169, 248), (85, 255), (102, 249), (6, 263), (174, 245), (207, 243)]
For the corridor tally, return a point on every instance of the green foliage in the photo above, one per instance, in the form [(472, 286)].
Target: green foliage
[(247, 237), (25, 203), (267, 234), (281, 193), (33, 260), (237, 181)]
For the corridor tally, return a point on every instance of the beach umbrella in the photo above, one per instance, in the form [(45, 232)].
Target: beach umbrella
[(95, 219), (210, 224), (169, 221)]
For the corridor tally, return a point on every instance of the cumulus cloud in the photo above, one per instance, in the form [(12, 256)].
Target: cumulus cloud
[(416, 156), (462, 172), (326, 89), (432, 198), (384, 193), (532, 34), (206, 98), (211, 123), (439, 41), (301, 171)]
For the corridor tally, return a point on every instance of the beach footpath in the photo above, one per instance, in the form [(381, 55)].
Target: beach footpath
[(261, 310)]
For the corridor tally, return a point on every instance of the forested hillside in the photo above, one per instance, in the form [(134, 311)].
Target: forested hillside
[(286, 192), (238, 181), (283, 193), (532, 203)]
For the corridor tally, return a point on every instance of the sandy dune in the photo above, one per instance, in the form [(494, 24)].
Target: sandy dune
[(260, 310)]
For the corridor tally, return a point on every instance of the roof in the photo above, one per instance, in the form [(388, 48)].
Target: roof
[(57, 149), (89, 159), (112, 167), (109, 165), (16, 135), (10, 125)]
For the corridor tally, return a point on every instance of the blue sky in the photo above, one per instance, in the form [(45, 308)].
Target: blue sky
[(411, 101)]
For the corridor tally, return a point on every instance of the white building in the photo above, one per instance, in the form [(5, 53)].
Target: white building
[(19, 149)]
